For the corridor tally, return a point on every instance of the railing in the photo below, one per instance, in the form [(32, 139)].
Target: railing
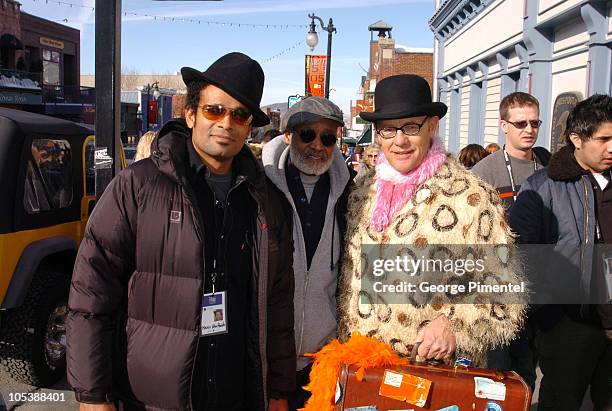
[(12, 78), (69, 94)]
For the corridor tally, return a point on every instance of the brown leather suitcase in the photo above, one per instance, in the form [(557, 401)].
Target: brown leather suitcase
[(452, 389)]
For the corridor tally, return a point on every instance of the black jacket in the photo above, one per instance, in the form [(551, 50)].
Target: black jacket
[(135, 299)]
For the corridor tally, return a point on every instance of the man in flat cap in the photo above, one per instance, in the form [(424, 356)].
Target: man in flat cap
[(182, 293), (307, 166)]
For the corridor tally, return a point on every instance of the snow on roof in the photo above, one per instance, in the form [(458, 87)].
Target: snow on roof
[(405, 49)]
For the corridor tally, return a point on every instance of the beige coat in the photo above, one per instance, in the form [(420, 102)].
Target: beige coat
[(452, 207)]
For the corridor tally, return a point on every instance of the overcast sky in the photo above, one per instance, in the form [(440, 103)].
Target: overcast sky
[(151, 45)]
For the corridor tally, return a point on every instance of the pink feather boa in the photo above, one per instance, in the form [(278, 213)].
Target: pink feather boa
[(394, 189)]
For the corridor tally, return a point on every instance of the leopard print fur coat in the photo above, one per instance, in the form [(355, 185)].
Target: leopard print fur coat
[(451, 207)]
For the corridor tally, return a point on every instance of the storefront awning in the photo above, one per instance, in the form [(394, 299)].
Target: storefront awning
[(366, 136), (7, 40)]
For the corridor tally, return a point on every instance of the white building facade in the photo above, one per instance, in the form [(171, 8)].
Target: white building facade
[(487, 49)]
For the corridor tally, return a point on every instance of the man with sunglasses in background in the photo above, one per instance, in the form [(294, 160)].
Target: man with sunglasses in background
[(506, 170), (307, 166), (182, 293)]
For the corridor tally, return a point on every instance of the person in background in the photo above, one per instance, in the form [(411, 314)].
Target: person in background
[(269, 135), (307, 167), (506, 170), (369, 162), (358, 154), (569, 205), (471, 154), (143, 149), (492, 148)]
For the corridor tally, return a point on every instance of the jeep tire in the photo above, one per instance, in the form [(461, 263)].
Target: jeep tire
[(28, 332)]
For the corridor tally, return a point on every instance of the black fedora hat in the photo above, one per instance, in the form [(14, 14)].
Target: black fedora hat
[(404, 95), (239, 76)]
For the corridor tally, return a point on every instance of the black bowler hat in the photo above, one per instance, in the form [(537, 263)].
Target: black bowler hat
[(404, 95), (239, 76)]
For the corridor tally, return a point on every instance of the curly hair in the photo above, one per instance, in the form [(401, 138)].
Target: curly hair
[(193, 94)]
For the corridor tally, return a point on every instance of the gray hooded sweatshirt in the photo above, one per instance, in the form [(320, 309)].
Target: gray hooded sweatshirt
[(315, 289)]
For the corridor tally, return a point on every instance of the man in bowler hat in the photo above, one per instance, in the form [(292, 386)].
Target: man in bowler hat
[(192, 229), (417, 196)]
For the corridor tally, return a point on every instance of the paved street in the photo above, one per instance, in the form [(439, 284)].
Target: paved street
[(8, 386)]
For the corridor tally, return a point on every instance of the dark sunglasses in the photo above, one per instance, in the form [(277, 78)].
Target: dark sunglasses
[(523, 124), (308, 135), (215, 112)]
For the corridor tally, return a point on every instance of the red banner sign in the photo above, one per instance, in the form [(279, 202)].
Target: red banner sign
[(152, 112), (315, 75)]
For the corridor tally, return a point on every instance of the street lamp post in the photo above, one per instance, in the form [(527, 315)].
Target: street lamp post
[(312, 39), (156, 94)]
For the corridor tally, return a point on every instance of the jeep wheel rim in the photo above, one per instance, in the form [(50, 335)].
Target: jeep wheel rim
[(55, 336)]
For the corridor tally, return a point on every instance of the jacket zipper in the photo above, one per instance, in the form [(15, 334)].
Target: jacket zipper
[(200, 222), (586, 224), (303, 311)]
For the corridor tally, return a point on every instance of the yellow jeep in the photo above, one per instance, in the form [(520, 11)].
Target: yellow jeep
[(47, 193)]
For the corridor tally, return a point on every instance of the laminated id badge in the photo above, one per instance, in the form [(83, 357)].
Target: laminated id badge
[(214, 314)]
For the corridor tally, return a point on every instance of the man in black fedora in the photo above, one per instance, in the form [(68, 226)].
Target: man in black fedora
[(417, 197), (192, 231)]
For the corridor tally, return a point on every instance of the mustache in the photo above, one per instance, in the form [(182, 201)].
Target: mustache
[(310, 152)]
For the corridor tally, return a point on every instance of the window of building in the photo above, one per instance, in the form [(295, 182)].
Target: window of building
[(48, 184), (51, 67)]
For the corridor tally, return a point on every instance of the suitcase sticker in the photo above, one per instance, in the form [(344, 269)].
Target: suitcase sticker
[(405, 387)]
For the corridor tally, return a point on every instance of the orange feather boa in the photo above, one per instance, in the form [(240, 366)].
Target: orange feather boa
[(364, 352)]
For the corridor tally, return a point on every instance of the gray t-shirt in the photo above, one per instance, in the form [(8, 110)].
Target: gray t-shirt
[(309, 183), (493, 170)]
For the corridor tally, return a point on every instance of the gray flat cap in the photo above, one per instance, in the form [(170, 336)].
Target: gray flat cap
[(310, 110)]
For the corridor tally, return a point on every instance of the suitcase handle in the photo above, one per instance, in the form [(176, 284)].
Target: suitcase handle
[(415, 358)]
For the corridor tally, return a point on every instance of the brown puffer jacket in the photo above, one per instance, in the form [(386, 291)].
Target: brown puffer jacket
[(135, 299)]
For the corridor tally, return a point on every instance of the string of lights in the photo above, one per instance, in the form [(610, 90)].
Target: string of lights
[(64, 3), (285, 51), (181, 19)]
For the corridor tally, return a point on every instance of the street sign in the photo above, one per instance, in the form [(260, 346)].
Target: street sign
[(293, 100)]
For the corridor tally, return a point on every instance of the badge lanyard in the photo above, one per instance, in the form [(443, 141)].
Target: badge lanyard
[(509, 168), (213, 276), (214, 319)]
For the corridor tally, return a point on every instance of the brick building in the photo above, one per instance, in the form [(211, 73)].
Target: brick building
[(39, 64), (10, 32), (387, 58)]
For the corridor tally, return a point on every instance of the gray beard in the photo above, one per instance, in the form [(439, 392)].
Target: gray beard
[(302, 163)]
